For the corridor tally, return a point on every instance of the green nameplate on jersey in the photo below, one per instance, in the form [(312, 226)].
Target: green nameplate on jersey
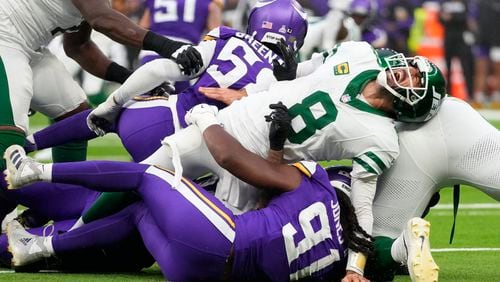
[(341, 69)]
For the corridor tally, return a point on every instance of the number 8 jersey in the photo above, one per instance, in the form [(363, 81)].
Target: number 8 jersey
[(331, 120), (297, 235)]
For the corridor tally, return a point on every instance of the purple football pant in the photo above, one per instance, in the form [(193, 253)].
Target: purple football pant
[(184, 228)]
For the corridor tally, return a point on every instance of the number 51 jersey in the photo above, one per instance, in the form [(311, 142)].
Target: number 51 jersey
[(297, 235), (237, 61)]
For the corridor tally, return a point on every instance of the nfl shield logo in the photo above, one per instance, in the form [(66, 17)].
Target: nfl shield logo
[(341, 69)]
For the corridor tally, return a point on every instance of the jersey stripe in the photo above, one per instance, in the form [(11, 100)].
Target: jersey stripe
[(366, 166), (377, 160), (221, 220), (371, 163), (303, 169)]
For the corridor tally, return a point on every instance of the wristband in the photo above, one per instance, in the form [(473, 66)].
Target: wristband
[(160, 44), (117, 73), (356, 262)]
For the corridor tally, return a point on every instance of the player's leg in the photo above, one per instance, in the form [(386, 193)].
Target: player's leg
[(15, 95), (58, 96), (181, 247), (98, 234), (55, 201), (71, 129)]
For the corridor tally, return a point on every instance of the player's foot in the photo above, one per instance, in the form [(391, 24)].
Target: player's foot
[(21, 169), (25, 247), (420, 263)]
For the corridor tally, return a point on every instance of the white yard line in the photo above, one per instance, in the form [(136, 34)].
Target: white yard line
[(446, 250), (468, 206)]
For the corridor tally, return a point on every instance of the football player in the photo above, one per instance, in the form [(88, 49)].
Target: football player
[(309, 206), (32, 77), (251, 66), (182, 20), (345, 109)]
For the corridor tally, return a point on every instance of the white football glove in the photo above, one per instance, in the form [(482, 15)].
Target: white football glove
[(102, 118), (202, 115)]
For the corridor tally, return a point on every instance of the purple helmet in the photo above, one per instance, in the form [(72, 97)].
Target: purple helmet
[(271, 20), (340, 178), (361, 7), (363, 11)]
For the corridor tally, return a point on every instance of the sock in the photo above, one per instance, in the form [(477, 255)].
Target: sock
[(70, 152), (381, 267), (97, 98), (108, 204), (8, 138), (398, 250), (46, 172)]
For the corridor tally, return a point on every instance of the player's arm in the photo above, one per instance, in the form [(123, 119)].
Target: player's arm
[(87, 54), (362, 195), (144, 79), (115, 25), (231, 155), (306, 67), (145, 21), (214, 18)]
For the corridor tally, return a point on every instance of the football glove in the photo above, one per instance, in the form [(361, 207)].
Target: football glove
[(202, 115), (188, 59), (281, 123), (287, 70), (102, 118), (165, 89)]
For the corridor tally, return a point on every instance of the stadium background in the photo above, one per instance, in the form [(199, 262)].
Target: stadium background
[(474, 254)]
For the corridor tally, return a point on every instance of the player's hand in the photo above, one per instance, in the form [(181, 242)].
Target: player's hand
[(281, 123), (165, 89), (188, 59), (102, 118), (224, 95), (352, 276), (202, 115), (287, 70)]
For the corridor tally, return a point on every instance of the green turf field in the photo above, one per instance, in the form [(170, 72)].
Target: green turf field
[(473, 256)]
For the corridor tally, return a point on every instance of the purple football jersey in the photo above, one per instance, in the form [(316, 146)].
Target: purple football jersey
[(237, 61), (297, 235), (184, 19)]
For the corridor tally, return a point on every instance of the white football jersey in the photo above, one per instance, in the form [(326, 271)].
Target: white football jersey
[(330, 121), (38, 21)]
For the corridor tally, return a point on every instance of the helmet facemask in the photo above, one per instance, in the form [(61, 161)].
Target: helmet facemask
[(410, 94)]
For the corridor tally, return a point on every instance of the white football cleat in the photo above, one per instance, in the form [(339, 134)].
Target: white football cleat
[(21, 169), (25, 247), (420, 263)]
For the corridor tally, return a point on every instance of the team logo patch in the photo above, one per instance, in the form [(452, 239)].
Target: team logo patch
[(341, 69)]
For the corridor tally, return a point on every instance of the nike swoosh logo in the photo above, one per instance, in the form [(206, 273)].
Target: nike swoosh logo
[(422, 239)]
